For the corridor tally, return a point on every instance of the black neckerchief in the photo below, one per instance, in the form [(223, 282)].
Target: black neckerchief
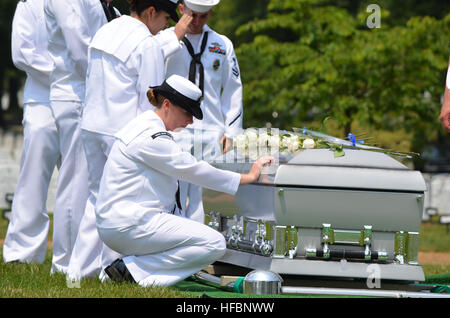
[(109, 11), (196, 59)]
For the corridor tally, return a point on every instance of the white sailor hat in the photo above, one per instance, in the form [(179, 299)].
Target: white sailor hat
[(182, 92), (200, 5)]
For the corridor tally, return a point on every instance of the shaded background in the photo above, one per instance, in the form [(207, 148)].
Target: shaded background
[(317, 64)]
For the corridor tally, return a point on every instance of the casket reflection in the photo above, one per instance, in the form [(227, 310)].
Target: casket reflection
[(316, 215)]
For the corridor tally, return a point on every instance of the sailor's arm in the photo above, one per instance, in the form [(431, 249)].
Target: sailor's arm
[(445, 110), (167, 157)]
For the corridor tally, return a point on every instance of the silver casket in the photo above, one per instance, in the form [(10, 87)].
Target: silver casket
[(316, 215)]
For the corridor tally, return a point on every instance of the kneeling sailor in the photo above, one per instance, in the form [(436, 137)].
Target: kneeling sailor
[(138, 203)]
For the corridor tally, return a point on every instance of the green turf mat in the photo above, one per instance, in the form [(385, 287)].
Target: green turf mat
[(201, 288)]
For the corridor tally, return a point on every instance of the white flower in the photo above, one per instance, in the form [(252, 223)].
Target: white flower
[(252, 136), (308, 143), (274, 141), (285, 140), (240, 141), (293, 145), (263, 139)]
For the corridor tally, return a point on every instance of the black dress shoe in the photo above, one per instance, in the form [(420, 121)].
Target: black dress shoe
[(118, 272)]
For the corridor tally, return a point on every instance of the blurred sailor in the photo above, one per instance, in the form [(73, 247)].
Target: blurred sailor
[(207, 59), (138, 196), (126, 56), (70, 26), (26, 238)]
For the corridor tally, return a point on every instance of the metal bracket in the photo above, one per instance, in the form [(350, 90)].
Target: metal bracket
[(237, 230), (214, 220), (327, 238), (263, 236), (346, 237), (292, 241), (406, 247), (367, 241)]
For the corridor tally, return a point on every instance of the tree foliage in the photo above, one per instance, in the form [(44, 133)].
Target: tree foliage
[(306, 60), (309, 61)]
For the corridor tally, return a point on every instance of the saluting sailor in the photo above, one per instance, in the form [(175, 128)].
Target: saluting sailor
[(207, 59), (137, 200), (126, 56)]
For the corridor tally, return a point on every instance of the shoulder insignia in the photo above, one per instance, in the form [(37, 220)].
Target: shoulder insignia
[(162, 133), (235, 68)]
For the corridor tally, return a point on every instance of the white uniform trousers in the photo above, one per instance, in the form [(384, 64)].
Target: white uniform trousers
[(86, 260), (72, 190), (203, 145), (164, 249), (26, 237)]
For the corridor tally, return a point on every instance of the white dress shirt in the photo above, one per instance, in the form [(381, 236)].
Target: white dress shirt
[(222, 103), (29, 50), (141, 173), (71, 25), (125, 59)]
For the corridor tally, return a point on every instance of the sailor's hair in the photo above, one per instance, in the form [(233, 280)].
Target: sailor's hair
[(140, 5), (155, 99)]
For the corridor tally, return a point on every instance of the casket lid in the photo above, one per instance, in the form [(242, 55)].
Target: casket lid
[(357, 170), (352, 158)]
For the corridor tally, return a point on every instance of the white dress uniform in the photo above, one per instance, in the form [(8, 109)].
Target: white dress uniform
[(125, 59), (71, 26), (26, 238), (221, 106), (137, 198)]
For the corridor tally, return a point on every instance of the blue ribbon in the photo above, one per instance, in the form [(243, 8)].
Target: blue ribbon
[(352, 138)]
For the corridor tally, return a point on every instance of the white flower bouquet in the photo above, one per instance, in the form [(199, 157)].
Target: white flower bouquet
[(255, 142)]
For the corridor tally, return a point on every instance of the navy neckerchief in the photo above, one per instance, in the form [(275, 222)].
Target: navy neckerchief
[(196, 59)]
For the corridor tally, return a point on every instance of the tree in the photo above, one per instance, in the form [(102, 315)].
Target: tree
[(10, 78), (309, 61)]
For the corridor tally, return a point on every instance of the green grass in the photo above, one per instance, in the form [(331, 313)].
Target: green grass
[(34, 280), (434, 237)]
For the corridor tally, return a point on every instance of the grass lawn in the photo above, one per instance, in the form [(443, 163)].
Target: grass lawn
[(34, 281)]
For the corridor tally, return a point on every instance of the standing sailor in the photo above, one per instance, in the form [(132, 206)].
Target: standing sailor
[(137, 198), (207, 59), (26, 238), (70, 26), (126, 57)]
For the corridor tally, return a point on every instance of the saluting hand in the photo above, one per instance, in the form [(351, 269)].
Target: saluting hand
[(182, 26)]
